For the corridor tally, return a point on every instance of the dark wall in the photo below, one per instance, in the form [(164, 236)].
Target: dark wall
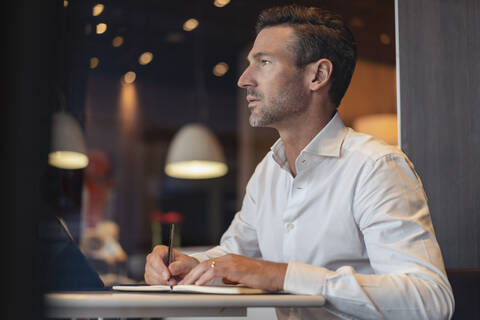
[(439, 47), (439, 73), (27, 104)]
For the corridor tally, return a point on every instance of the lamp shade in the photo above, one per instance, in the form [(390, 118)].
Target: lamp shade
[(195, 153), (68, 149), (383, 126)]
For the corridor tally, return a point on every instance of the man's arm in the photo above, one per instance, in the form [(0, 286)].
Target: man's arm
[(409, 281), (240, 239)]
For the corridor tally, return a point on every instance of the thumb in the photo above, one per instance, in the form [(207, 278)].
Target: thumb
[(179, 267)]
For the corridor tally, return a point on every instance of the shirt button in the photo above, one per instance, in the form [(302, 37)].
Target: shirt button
[(290, 226)]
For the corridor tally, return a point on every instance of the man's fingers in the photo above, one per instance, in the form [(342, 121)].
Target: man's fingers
[(153, 277), (194, 274), (157, 274), (182, 265), (179, 268), (155, 264), (198, 272), (205, 277), (156, 270)]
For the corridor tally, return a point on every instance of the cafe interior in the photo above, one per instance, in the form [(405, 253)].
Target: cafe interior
[(146, 82), (143, 125)]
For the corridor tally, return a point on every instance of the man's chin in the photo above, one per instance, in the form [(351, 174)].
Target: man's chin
[(256, 122), (253, 123)]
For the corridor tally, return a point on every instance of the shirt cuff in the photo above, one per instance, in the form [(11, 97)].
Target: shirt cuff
[(209, 254), (200, 256), (302, 278)]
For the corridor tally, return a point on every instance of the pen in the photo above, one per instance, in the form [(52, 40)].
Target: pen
[(170, 244)]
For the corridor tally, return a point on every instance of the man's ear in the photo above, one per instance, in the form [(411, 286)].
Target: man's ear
[(321, 73)]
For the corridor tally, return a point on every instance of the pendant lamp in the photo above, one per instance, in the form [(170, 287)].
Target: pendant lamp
[(68, 148), (195, 153)]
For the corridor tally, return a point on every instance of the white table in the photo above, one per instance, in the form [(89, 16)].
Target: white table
[(145, 305)]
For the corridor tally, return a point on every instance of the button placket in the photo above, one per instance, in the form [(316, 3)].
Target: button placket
[(288, 243)]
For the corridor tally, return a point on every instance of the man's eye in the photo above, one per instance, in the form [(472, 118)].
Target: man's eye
[(265, 62)]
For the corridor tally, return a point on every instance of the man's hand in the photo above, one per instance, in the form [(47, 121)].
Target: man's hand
[(239, 269), (157, 272)]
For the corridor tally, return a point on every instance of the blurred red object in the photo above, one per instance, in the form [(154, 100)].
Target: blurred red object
[(98, 165), (166, 218), (98, 183)]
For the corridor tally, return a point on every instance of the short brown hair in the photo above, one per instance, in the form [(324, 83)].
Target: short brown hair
[(321, 34)]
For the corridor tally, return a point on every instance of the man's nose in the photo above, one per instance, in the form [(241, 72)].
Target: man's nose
[(246, 79)]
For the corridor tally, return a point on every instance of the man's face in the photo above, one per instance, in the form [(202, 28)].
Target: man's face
[(276, 89)]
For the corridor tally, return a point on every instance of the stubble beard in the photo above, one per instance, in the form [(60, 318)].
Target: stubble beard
[(289, 103)]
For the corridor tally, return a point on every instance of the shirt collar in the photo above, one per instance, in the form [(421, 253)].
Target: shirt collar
[(328, 142)]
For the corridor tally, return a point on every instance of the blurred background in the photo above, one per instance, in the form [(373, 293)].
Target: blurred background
[(132, 74)]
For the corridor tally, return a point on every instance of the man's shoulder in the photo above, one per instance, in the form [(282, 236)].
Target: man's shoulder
[(267, 162), (367, 147)]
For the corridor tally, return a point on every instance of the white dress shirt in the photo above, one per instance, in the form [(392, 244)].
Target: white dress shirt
[(353, 225)]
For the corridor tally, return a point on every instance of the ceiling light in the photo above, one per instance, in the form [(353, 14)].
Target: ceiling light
[(195, 153), (129, 77), (94, 62), (220, 69), (68, 150), (190, 24), (97, 9), (385, 39), (221, 3), (101, 28), (117, 41), (145, 58), (65, 3)]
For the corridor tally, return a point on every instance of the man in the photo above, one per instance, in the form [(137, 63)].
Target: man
[(328, 211)]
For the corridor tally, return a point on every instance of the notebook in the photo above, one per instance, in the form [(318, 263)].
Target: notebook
[(223, 289)]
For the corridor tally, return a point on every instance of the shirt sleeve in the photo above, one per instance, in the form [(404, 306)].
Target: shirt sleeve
[(241, 237), (391, 210)]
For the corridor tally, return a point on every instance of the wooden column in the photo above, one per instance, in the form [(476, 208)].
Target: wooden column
[(438, 51)]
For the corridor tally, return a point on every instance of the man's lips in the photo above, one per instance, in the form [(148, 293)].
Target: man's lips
[(252, 100)]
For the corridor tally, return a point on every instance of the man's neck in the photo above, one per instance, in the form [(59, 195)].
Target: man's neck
[(298, 134)]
